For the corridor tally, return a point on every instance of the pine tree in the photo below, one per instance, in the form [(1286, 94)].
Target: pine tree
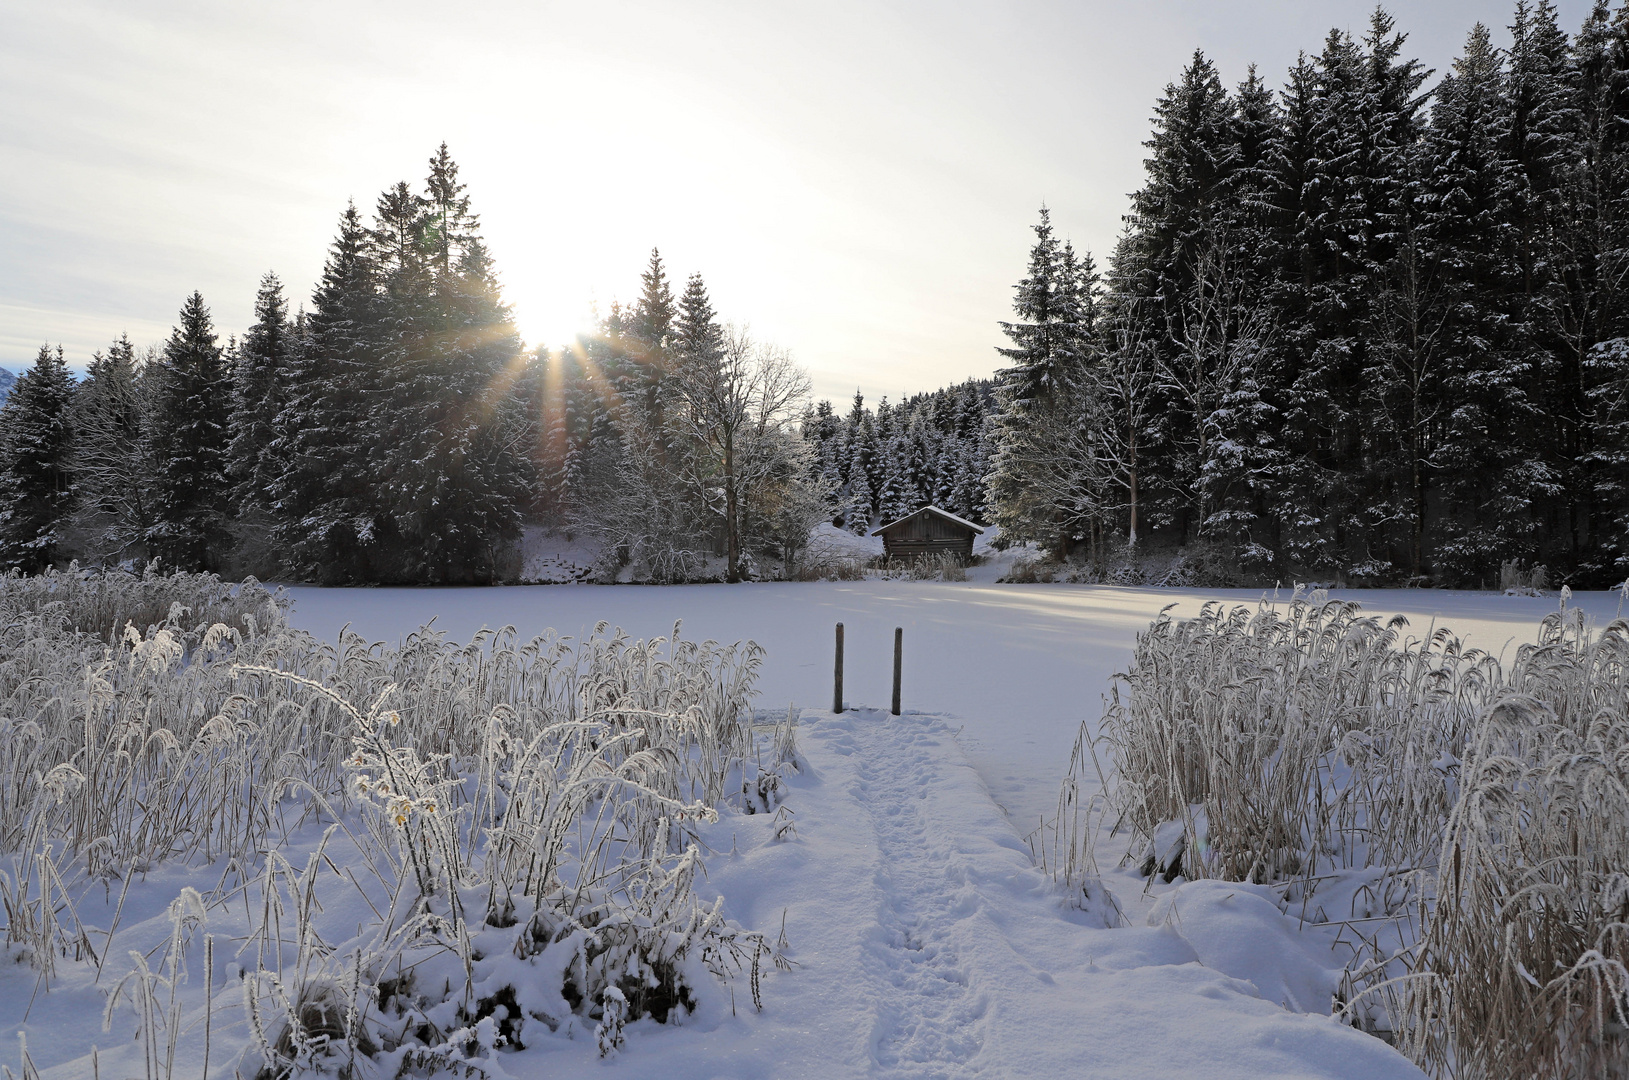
[(695, 348), (1592, 303), (1193, 156), (896, 494), (36, 442), (1047, 339), (1352, 120), (447, 483), (324, 516), (650, 322), (112, 464), (1034, 487), (188, 437), (260, 372), (859, 502), (1483, 462)]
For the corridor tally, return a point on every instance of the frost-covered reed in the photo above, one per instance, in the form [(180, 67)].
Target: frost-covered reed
[(1477, 813), (504, 803)]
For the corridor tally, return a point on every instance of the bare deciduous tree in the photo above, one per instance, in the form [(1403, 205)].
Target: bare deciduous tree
[(737, 405)]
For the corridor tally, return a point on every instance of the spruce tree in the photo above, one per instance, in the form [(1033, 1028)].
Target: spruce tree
[(261, 370), (1484, 463), (448, 484), (188, 439), (1040, 393), (1592, 304), (36, 443), (321, 502), (112, 463)]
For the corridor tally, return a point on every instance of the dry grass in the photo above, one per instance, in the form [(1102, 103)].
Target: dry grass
[(944, 566), (1484, 806), (533, 799), (101, 603)]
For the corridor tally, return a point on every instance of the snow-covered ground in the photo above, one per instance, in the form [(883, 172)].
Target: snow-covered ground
[(552, 558), (926, 944)]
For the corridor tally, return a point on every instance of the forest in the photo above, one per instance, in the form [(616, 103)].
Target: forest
[(1355, 330), (1366, 328)]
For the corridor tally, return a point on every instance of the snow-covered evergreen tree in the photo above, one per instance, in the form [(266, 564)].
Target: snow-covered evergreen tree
[(260, 368), (447, 478), (36, 443), (1035, 487), (325, 521), (187, 436), (112, 465)]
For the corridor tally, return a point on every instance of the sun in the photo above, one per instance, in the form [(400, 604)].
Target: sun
[(542, 322)]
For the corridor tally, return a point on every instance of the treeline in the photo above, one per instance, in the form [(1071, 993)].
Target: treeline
[(395, 430), (1353, 329), (879, 465)]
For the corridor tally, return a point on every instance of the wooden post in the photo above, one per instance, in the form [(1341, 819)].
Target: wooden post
[(837, 674), (899, 653)]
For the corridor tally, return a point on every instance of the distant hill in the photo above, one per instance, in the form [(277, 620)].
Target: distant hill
[(6, 379)]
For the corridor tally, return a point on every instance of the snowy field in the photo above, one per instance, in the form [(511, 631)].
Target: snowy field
[(923, 941)]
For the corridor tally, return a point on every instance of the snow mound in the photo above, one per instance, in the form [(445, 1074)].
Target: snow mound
[(1238, 930), (827, 541)]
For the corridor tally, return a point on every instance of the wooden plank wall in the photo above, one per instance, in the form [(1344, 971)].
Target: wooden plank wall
[(927, 535)]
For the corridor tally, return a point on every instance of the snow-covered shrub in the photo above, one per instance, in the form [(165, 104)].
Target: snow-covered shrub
[(519, 816), (1514, 581), (101, 603), (944, 566), (1465, 823), (829, 567), (1523, 965), (1030, 572)]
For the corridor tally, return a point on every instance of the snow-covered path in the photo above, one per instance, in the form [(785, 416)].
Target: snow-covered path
[(928, 946), (930, 1018)]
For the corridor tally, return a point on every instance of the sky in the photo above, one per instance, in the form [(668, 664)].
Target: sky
[(855, 182)]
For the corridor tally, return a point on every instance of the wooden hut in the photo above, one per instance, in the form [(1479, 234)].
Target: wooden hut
[(928, 532)]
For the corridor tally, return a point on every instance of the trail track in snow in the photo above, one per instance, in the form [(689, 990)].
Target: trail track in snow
[(931, 1014)]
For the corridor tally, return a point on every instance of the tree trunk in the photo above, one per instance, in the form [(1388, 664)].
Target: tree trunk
[(1132, 540), (732, 538)]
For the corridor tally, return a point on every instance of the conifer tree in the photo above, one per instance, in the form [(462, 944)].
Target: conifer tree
[(1483, 462), (324, 516), (261, 369), (112, 464), (36, 441), (188, 438), (1033, 491), (447, 483)]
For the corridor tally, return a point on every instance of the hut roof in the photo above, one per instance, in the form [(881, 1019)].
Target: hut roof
[(946, 514)]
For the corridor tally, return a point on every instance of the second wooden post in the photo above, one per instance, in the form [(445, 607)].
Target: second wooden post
[(899, 653), (837, 674)]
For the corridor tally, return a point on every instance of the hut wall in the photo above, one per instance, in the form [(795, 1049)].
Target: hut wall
[(927, 535)]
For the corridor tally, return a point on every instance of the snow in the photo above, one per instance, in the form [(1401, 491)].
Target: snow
[(552, 558), (926, 943), (934, 509), (828, 541)]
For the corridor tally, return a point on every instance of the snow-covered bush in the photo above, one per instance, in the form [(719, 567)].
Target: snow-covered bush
[(1514, 581), (102, 603), (1464, 823), (519, 816)]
